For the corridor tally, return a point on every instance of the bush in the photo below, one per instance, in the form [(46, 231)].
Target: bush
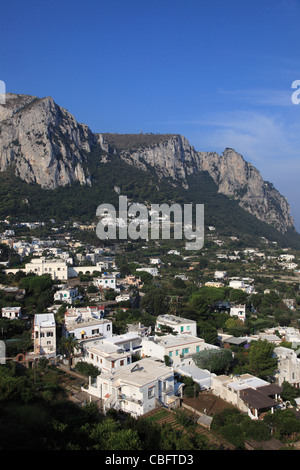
[(87, 369)]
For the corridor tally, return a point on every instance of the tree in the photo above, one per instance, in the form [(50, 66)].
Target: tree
[(261, 361), (109, 435), (208, 332), (155, 302), (285, 422), (289, 393), (215, 360), (69, 344)]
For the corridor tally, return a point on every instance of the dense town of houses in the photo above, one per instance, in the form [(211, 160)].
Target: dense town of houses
[(140, 369)]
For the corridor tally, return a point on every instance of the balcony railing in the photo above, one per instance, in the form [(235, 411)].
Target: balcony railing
[(123, 397)]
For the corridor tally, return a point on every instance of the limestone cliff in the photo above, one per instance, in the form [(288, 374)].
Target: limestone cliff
[(45, 144), (174, 157)]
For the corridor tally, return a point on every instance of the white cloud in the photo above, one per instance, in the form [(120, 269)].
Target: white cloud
[(267, 141), (260, 96)]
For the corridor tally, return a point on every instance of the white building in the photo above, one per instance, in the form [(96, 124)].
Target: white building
[(106, 281), (112, 352), (292, 335), (88, 329), (90, 312), (237, 284), (11, 313), (152, 271), (248, 393), (290, 266), (123, 297), (155, 261), (136, 388), (44, 334), (220, 274), (179, 348), (56, 268), (178, 324), (238, 311), (87, 322), (66, 295), (240, 284), (286, 257), (202, 377), (107, 357), (288, 366)]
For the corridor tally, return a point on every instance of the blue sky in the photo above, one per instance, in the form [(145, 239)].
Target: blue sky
[(218, 72)]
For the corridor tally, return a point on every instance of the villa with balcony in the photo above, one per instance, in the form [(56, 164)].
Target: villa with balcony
[(137, 388)]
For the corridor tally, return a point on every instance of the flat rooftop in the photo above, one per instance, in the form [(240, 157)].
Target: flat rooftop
[(174, 319), (170, 341), (140, 373)]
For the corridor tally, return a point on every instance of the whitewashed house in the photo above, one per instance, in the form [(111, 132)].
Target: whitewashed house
[(136, 388), (288, 369), (56, 268), (124, 297), (179, 349), (248, 393), (155, 261), (106, 356), (238, 311), (237, 284), (111, 352), (87, 322), (179, 325), (68, 295), (220, 274), (44, 334), (152, 271), (106, 281), (11, 313)]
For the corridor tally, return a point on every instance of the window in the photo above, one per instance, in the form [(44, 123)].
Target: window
[(151, 391)]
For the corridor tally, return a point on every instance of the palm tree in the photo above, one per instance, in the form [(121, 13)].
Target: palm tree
[(69, 344)]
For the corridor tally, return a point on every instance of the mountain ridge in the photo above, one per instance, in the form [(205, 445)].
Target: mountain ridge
[(47, 146)]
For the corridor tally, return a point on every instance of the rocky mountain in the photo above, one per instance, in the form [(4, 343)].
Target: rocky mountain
[(45, 145), (173, 157), (43, 141)]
